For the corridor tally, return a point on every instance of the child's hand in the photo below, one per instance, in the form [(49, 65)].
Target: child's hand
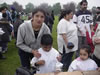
[(40, 62), (98, 69), (59, 58), (57, 71)]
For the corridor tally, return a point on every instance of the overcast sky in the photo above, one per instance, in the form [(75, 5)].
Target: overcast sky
[(91, 3)]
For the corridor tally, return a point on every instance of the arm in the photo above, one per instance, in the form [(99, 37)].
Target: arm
[(20, 40), (65, 39), (21, 43)]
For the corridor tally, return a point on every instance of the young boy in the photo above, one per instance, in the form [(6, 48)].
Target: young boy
[(48, 61)]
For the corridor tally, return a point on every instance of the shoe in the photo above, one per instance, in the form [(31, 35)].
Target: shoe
[(3, 57)]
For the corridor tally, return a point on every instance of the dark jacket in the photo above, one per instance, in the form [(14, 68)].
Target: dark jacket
[(4, 24)]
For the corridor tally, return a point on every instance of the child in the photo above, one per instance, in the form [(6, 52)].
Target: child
[(83, 63), (48, 61)]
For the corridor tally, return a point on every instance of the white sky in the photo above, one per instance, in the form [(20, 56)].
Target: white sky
[(91, 3)]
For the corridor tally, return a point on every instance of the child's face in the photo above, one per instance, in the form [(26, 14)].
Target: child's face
[(83, 54), (46, 48)]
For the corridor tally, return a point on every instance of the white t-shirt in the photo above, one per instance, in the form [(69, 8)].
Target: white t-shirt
[(80, 65), (83, 19), (0, 15), (70, 29), (51, 62)]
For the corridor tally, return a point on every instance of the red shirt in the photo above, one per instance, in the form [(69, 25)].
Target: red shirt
[(89, 40)]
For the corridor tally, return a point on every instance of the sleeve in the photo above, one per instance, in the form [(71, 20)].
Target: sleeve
[(95, 66), (73, 66), (89, 40), (58, 66), (62, 27), (91, 20), (33, 61), (20, 40), (75, 19)]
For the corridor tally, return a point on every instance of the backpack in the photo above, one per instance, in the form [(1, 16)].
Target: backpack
[(23, 71)]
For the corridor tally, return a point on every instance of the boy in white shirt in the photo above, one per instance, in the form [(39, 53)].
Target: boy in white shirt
[(83, 63), (48, 61)]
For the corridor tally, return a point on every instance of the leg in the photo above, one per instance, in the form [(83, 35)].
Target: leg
[(79, 45), (96, 60), (25, 58), (66, 60)]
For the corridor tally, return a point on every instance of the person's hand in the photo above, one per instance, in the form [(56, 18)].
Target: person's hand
[(97, 40), (59, 58), (36, 53), (86, 28), (82, 33), (40, 62), (98, 69)]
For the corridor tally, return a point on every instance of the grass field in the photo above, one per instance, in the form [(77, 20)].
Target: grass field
[(9, 65)]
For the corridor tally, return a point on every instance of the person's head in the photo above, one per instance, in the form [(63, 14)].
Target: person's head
[(84, 4), (4, 15), (85, 52), (3, 9), (18, 16), (38, 16), (66, 14), (46, 42)]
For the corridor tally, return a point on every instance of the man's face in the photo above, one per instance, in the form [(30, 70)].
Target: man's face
[(84, 6)]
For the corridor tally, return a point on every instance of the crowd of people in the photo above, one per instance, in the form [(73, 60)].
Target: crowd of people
[(77, 34)]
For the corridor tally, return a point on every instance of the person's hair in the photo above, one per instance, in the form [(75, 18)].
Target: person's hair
[(37, 10), (86, 48), (83, 2), (4, 15), (46, 39), (64, 13), (2, 8)]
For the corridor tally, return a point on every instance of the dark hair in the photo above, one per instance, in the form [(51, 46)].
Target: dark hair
[(4, 15), (37, 10), (87, 48), (2, 8), (46, 39), (83, 2), (64, 13)]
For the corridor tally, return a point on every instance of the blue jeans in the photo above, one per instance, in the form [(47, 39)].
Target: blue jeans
[(81, 41), (66, 60)]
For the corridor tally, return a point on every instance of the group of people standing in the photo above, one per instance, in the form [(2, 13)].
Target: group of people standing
[(71, 37), (33, 39)]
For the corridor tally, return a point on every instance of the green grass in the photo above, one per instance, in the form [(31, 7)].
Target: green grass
[(9, 65)]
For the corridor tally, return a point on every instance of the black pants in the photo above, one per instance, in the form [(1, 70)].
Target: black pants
[(25, 58), (96, 60)]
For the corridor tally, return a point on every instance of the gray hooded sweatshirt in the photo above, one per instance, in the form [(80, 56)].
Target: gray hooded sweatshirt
[(26, 38)]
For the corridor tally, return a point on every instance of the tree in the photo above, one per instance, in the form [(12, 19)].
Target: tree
[(46, 7), (57, 8), (94, 10), (29, 8), (71, 6), (18, 7), (4, 4)]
